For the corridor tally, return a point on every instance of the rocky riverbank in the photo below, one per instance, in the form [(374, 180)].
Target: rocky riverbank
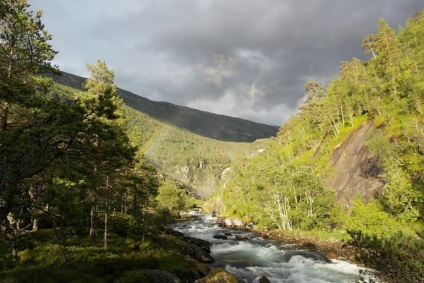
[(199, 250), (331, 248), (250, 253)]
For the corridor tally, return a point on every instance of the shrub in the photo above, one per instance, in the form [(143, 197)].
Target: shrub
[(370, 220), (400, 257)]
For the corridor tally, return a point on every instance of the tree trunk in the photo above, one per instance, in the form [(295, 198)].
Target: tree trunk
[(105, 231), (373, 53), (283, 207), (106, 215), (35, 224), (93, 224), (32, 193), (14, 252), (5, 112), (4, 211)]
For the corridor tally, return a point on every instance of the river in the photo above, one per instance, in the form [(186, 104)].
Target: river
[(250, 259)]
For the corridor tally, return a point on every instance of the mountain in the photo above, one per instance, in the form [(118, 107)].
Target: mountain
[(219, 127), (196, 161)]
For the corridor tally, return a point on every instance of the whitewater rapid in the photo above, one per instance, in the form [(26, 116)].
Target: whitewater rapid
[(249, 260)]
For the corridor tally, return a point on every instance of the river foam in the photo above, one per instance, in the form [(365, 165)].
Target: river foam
[(250, 259)]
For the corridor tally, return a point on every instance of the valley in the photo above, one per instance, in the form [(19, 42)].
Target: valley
[(92, 177)]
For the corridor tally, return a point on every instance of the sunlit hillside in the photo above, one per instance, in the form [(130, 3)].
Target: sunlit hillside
[(352, 159)]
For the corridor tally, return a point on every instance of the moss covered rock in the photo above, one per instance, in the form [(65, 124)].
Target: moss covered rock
[(218, 275), (147, 275)]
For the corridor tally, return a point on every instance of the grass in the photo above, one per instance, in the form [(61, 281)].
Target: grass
[(76, 260), (321, 159), (319, 235)]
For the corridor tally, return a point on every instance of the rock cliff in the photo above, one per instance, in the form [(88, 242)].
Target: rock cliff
[(356, 171)]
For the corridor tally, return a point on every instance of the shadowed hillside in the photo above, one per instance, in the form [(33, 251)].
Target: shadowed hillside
[(203, 123)]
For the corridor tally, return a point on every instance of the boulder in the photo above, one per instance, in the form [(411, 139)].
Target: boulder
[(195, 248), (220, 237), (218, 275), (147, 275), (308, 245), (199, 242), (202, 255), (315, 255), (238, 223), (195, 252), (249, 226), (170, 231), (330, 254), (263, 279), (228, 222), (242, 237)]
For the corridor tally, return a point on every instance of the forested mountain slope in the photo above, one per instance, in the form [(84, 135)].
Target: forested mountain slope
[(194, 160), (369, 119), (351, 159), (186, 155), (203, 123)]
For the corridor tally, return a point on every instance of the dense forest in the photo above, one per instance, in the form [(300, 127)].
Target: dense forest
[(196, 161), (288, 186), (78, 200)]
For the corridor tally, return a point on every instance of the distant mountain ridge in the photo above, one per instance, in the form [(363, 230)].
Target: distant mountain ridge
[(215, 126)]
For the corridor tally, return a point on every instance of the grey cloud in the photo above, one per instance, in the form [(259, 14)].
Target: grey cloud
[(220, 69), (244, 58)]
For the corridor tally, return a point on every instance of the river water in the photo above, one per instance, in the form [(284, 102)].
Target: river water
[(249, 260)]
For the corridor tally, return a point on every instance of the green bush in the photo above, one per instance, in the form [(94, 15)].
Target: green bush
[(370, 220), (381, 244), (400, 257)]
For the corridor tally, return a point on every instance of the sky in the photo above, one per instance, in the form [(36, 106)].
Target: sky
[(241, 58)]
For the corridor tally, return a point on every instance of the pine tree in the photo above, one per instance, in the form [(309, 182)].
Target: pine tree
[(24, 54)]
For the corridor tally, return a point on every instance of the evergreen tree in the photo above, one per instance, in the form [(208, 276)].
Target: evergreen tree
[(24, 54)]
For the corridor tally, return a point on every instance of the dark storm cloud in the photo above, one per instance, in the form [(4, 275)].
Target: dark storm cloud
[(244, 58)]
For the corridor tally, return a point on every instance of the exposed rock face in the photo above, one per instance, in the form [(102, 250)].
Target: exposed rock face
[(202, 182), (355, 167)]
